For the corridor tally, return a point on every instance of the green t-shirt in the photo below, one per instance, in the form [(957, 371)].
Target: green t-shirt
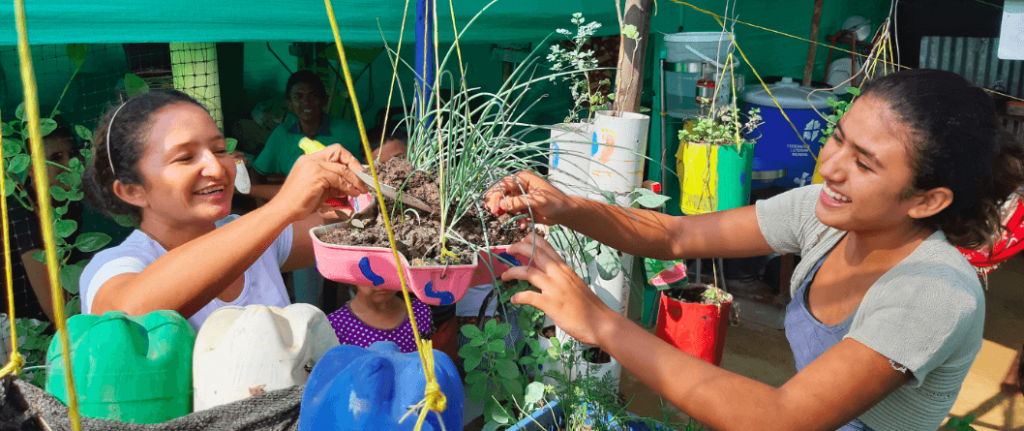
[(282, 149)]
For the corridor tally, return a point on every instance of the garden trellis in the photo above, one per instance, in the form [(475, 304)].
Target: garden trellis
[(110, 74)]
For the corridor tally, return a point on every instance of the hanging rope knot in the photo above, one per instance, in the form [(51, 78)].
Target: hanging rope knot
[(13, 367), (434, 398), (436, 401)]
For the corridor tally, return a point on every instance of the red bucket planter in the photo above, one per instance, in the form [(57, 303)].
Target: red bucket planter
[(375, 266), (696, 329)]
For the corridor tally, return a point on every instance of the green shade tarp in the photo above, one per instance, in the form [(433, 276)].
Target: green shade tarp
[(140, 21)]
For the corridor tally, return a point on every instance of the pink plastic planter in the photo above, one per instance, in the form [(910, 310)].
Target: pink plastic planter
[(375, 266)]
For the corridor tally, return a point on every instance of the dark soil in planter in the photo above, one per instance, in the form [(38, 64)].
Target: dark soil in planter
[(418, 238), (693, 294)]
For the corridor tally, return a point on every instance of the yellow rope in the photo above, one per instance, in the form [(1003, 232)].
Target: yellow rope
[(719, 18), (434, 399), (42, 183), (394, 77), (16, 361)]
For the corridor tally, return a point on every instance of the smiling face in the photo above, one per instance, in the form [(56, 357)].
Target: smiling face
[(186, 170), (306, 101), (867, 170)]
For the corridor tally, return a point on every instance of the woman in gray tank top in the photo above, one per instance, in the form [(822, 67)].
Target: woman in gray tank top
[(887, 315)]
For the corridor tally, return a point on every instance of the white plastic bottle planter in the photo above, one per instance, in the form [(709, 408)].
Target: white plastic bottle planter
[(244, 351), (618, 150), (571, 145), (584, 366)]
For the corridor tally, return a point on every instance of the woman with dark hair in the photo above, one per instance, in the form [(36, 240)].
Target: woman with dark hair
[(160, 159), (887, 315)]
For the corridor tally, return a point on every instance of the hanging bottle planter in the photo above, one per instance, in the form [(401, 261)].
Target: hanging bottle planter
[(617, 153), (353, 388), (571, 145), (245, 351), (691, 322), (134, 369), (432, 284)]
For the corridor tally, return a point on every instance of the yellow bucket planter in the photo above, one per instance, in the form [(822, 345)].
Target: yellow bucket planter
[(713, 177)]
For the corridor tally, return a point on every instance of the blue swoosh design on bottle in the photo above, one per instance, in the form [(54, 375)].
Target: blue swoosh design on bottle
[(445, 297), (509, 258), (364, 267)]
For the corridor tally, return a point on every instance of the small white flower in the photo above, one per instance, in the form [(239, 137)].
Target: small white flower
[(563, 31)]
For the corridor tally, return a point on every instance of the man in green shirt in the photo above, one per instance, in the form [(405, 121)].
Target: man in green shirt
[(306, 96)]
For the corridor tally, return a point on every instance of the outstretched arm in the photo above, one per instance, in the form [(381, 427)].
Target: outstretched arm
[(840, 385), (733, 233), (189, 276)]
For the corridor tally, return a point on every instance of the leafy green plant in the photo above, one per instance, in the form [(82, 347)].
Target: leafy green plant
[(32, 345), (588, 401), (726, 128), (17, 161), (497, 375), (581, 63), (16, 164), (960, 424), (839, 108)]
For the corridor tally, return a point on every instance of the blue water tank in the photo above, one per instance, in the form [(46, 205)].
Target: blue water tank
[(352, 388), (780, 158)]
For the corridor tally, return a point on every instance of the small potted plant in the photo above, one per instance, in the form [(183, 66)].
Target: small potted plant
[(460, 145), (693, 318), (715, 160), (571, 140)]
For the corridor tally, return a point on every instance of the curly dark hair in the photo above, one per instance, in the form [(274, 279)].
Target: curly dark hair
[(958, 145), (127, 143)]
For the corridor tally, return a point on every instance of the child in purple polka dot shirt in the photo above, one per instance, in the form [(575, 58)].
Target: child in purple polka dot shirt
[(380, 315)]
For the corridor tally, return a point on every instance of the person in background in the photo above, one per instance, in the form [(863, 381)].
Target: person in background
[(32, 295), (161, 160), (380, 315), (305, 97), (396, 143)]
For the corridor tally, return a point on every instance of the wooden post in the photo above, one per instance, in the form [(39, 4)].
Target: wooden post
[(813, 49), (629, 80)]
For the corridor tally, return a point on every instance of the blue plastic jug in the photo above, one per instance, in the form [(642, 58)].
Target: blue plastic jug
[(352, 388)]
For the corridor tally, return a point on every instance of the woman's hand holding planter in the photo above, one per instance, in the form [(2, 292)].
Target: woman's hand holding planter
[(317, 177)]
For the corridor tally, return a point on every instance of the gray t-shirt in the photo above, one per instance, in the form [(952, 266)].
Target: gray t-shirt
[(263, 283), (926, 313)]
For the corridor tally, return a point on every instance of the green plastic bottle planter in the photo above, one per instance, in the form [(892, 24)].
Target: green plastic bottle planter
[(127, 368), (714, 177)]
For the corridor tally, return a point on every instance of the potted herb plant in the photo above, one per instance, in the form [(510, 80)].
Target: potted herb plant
[(715, 160), (693, 318), (572, 140)]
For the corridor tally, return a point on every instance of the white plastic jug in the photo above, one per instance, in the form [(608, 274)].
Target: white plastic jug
[(244, 351)]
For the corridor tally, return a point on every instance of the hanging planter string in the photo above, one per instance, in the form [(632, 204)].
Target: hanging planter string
[(42, 183), (434, 400)]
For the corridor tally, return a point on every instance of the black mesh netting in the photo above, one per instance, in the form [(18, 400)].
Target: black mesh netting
[(24, 407)]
